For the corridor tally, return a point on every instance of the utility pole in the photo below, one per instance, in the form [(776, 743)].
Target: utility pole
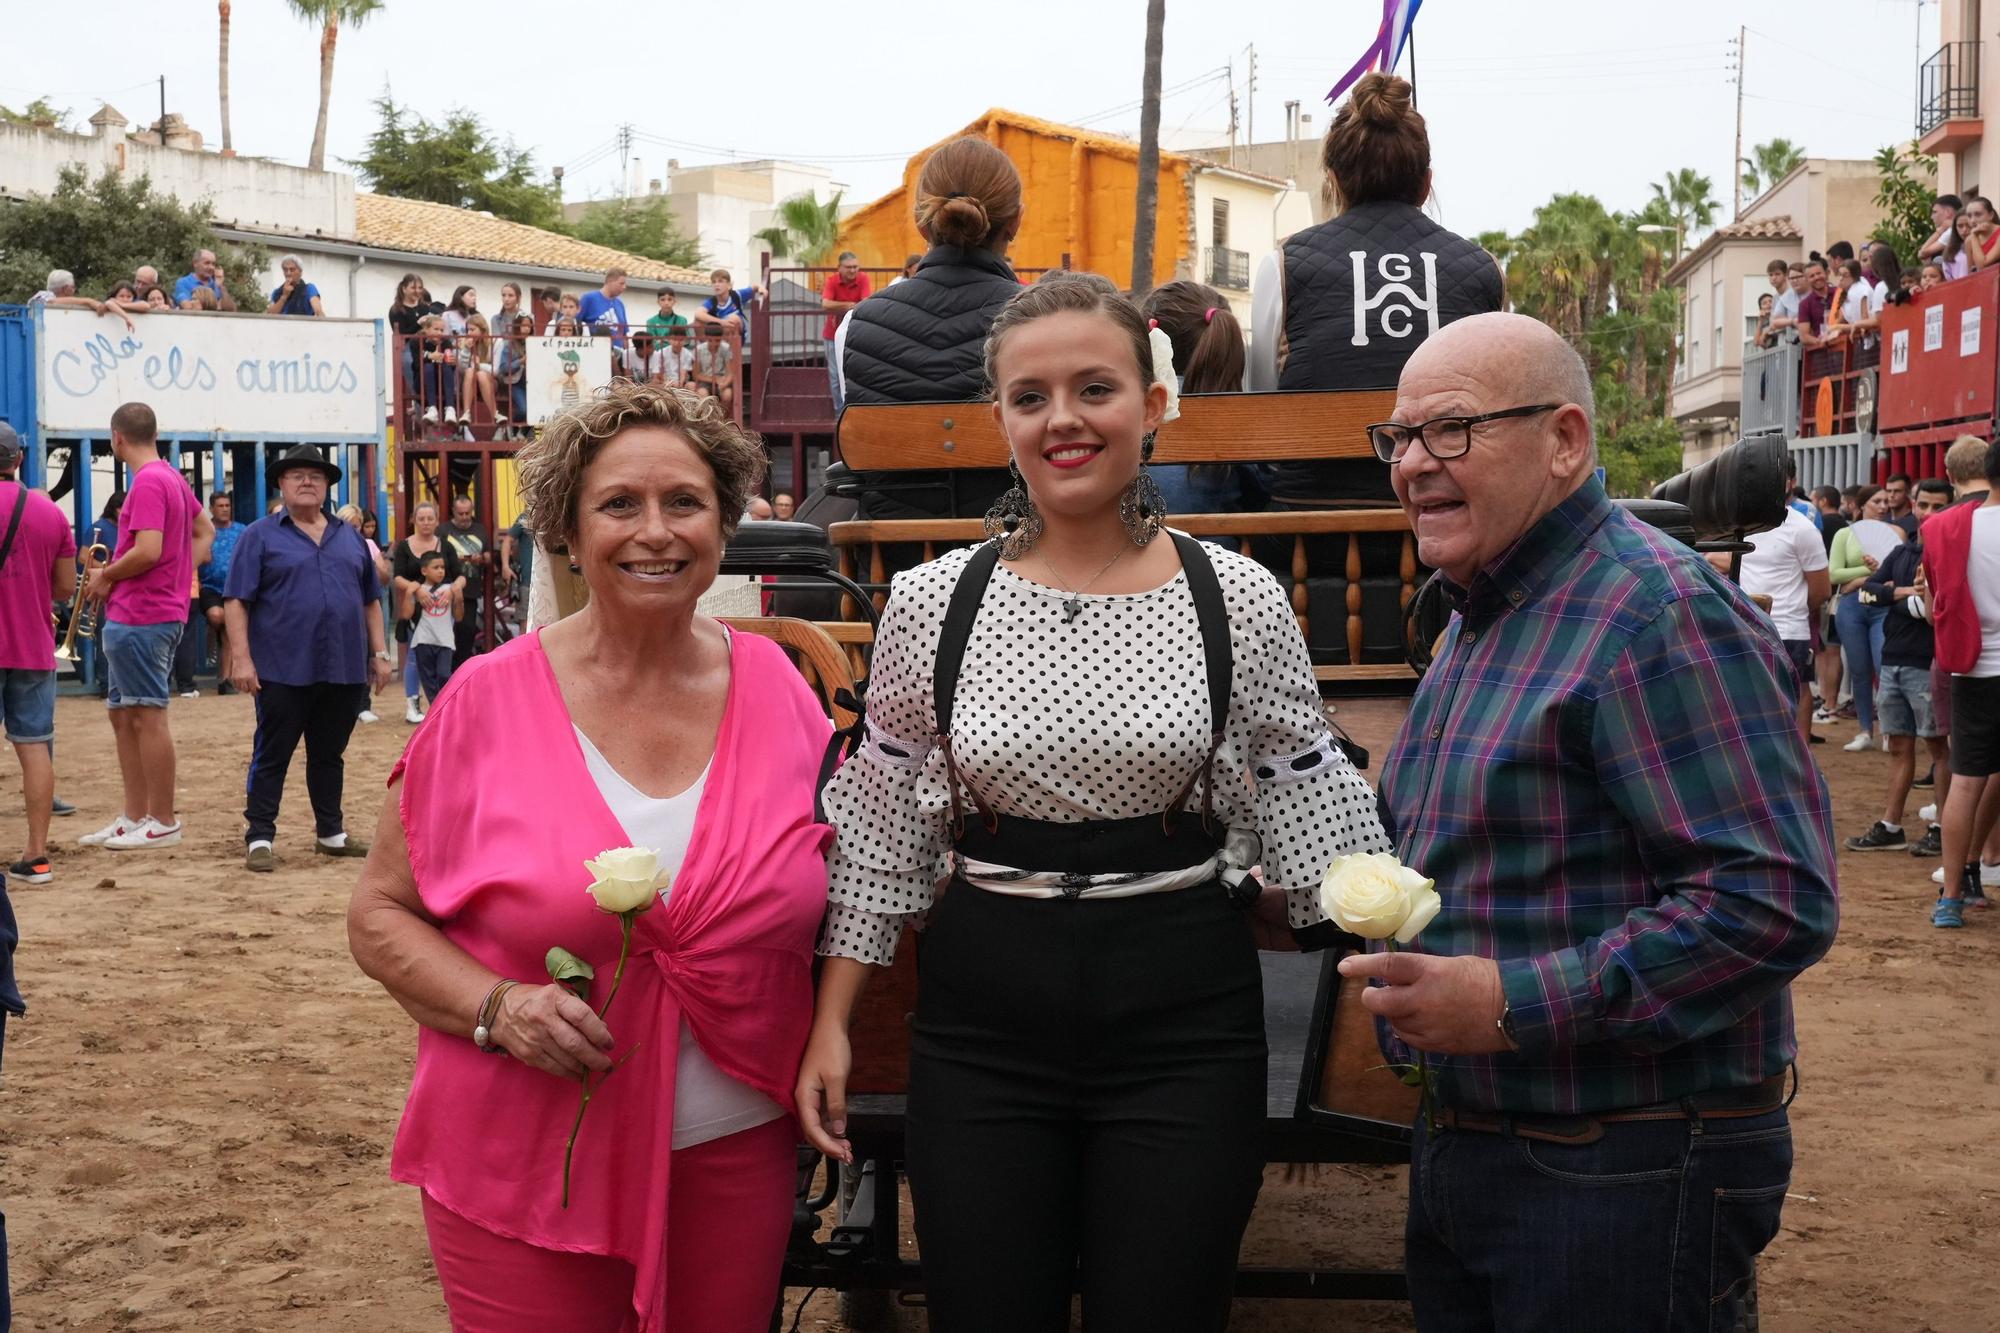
[(1232, 113), (163, 111), (1736, 162), (1250, 107), (624, 157)]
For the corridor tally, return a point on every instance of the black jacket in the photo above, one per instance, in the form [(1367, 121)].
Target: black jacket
[(923, 340), (1362, 291), (1906, 640)]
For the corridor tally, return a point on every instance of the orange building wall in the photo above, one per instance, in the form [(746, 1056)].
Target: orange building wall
[(1079, 193)]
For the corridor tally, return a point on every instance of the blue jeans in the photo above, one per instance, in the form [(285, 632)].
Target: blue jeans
[(137, 662), (1861, 648), (1213, 490), (1654, 1228), (28, 705)]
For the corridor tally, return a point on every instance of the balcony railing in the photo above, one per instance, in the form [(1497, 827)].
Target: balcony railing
[(1948, 86), (1228, 268)]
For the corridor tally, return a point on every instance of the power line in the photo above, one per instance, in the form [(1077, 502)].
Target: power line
[(1842, 69)]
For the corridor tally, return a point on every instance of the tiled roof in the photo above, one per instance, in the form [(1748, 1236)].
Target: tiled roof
[(389, 223), (1779, 228)]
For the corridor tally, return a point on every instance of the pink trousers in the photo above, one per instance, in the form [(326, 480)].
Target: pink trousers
[(729, 1214)]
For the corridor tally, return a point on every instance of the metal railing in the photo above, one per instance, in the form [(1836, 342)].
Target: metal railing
[(1948, 86), (474, 386), (1228, 268)]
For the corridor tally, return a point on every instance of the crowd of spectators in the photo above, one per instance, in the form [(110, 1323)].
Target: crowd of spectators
[(461, 365), (204, 287)]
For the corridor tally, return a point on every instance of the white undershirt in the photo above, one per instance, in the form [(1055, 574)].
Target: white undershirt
[(1983, 575), (708, 1104)]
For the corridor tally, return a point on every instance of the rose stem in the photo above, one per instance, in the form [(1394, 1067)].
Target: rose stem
[(617, 977)]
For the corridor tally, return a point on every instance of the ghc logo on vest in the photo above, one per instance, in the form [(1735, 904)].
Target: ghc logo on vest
[(1398, 299)]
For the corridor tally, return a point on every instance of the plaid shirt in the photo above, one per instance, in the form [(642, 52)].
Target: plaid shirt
[(1604, 773)]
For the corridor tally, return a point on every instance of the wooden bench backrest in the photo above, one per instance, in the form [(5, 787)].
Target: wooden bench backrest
[(1213, 428)]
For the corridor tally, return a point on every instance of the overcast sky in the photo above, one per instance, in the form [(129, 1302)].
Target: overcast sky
[(1524, 99)]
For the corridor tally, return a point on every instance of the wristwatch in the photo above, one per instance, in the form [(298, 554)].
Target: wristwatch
[(1506, 1025), (386, 656)]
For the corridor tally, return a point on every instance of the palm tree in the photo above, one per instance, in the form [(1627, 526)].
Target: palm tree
[(1770, 163), (329, 15), (806, 230), (1690, 200), (1146, 198), (222, 72)]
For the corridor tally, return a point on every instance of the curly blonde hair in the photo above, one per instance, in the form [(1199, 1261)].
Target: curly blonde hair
[(551, 467)]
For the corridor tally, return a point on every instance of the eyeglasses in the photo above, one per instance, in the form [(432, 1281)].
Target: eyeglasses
[(1445, 437)]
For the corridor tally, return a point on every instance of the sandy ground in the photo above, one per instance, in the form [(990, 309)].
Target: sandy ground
[(197, 1110)]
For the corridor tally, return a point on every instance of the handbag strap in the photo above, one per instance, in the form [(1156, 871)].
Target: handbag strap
[(13, 521)]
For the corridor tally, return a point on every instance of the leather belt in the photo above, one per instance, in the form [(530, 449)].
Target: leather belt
[(1711, 1104)]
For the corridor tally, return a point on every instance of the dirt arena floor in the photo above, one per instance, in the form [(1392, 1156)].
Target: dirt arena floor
[(196, 1113)]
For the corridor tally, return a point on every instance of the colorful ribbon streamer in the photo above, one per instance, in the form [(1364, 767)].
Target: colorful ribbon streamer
[(1386, 49)]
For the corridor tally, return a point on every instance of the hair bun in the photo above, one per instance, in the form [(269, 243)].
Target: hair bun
[(1381, 99), (961, 220)]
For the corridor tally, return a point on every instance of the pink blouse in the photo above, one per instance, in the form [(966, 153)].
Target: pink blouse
[(497, 848)]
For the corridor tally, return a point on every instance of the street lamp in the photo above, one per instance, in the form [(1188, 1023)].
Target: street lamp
[(1658, 228)]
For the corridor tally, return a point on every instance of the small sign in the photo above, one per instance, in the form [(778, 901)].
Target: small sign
[(1899, 352), (1933, 328), (1968, 331), (565, 372)]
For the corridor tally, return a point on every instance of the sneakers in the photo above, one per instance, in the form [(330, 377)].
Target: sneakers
[(259, 858), (451, 416), (1879, 838), (1937, 876), (430, 416), (59, 807), (1862, 741), (366, 715), (1928, 778), (146, 834), (1928, 814), (348, 847), (1822, 715), (1948, 914), (117, 828), (190, 693), (1929, 847), (32, 870), (412, 714)]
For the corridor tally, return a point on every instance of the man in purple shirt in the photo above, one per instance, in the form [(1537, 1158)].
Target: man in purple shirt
[(1634, 855), (306, 645), (162, 535), (37, 568)]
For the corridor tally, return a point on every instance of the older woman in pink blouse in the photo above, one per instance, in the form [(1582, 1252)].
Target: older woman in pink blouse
[(633, 722)]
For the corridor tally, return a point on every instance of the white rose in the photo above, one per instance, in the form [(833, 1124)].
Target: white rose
[(1424, 903), (627, 878), (1375, 896)]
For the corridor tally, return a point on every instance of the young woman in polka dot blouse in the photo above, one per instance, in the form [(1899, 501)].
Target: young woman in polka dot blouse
[(1066, 822)]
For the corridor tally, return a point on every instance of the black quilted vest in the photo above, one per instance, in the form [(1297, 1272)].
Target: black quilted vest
[(1362, 290), (923, 340)]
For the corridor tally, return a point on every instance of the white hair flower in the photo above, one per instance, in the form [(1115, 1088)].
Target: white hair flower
[(1163, 372)]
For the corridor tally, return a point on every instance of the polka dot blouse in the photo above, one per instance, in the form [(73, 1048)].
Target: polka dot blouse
[(1105, 718)]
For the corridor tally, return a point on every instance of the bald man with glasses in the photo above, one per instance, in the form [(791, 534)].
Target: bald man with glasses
[(1635, 857)]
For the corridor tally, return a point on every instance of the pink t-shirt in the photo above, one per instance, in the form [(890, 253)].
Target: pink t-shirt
[(27, 634), (159, 500)]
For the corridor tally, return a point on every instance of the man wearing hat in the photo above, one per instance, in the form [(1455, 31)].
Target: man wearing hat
[(304, 642), (37, 569)]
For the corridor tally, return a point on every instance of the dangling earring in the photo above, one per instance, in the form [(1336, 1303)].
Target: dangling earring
[(575, 568), (1014, 519), (1142, 508)]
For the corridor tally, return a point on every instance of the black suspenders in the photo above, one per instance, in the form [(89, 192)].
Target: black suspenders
[(956, 631)]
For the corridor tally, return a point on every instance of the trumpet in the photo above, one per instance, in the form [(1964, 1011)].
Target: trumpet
[(88, 615)]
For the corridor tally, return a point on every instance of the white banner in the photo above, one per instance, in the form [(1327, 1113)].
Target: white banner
[(563, 372), (248, 376)]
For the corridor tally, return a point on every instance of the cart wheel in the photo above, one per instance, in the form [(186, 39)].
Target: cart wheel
[(863, 1311)]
